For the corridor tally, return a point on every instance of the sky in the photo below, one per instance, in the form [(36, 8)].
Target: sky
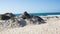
[(31, 6)]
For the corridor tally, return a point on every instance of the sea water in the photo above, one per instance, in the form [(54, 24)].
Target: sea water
[(40, 14)]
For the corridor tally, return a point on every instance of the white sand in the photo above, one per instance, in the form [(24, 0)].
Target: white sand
[(51, 27)]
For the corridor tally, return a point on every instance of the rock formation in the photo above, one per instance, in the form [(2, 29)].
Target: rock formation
[(26, 15), (38, 19), (7, 16), (3, 17)]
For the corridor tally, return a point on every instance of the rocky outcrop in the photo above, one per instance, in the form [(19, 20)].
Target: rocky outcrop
[(26, 15), (3, 17), (38, 19), (7, 20), (7, 16), (34, 19)]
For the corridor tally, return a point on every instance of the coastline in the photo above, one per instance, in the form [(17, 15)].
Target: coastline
[(50, 27)]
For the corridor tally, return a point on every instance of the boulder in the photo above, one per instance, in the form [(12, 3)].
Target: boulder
[(26, 15), (11, 15), (3, 17), (38, 19), (7, 16)]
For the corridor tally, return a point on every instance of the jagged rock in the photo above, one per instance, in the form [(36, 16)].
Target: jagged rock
[(26, 15), (3, 17), (38, 19), (7, 16)]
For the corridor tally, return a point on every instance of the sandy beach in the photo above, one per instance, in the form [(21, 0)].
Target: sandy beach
[(29, 16), (52, 26)]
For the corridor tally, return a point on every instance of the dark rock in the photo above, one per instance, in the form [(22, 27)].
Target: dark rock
[(22, 23), (7, 16), (3, 17), (39, 19), (26, 15), (56, 16), (11, 15)]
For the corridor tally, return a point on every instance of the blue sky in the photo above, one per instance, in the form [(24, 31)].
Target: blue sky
[(31, 6)]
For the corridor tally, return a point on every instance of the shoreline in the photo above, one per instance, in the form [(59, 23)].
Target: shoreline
[(50, 27)]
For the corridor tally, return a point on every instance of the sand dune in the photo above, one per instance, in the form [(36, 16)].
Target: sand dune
[(52, 26)]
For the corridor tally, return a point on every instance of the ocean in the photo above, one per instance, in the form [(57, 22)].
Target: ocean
[(40, 14)]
